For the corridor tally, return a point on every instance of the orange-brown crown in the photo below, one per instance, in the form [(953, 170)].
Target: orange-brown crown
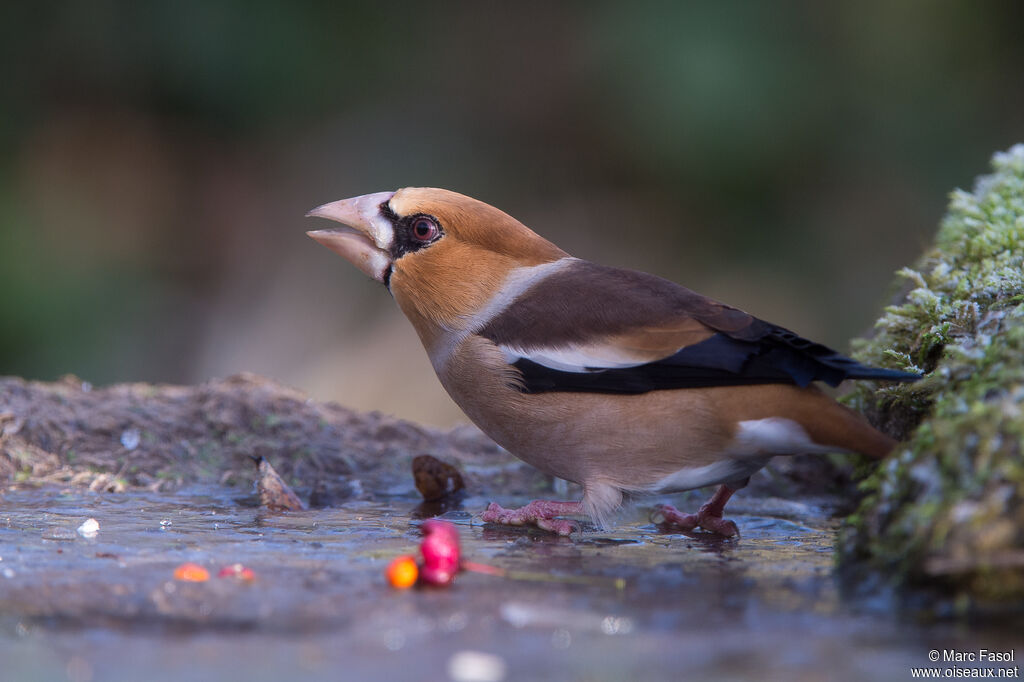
[(456, 276)]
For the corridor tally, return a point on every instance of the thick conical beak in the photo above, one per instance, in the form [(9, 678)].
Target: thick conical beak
[(367, 245)]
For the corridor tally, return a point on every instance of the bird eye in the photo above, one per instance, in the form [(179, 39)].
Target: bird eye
[(424, 229)]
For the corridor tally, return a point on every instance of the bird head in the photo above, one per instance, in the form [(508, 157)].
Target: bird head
[(442, 255)]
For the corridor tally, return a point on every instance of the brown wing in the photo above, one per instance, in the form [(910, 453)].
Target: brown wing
[(594, 328)]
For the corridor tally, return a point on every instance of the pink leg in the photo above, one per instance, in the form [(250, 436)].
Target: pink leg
[(540, 512), (709, 517)]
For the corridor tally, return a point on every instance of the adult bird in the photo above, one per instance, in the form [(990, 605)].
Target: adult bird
[(618, 380)]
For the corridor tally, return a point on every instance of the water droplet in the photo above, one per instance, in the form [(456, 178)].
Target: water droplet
[(79, 670), (394, 639), (61, 534), (561, 639), (456, 622), (612, 625)]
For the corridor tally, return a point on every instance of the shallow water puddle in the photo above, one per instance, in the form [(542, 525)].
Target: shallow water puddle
[(631, 603)]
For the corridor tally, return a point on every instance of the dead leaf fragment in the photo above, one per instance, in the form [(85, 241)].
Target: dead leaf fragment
[(275, 494)]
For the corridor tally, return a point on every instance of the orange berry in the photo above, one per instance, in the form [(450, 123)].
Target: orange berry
[(193, 573), (402, 572)]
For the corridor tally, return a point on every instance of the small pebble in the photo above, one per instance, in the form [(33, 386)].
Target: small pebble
[(435, 479), (89, 528), (130, 438)]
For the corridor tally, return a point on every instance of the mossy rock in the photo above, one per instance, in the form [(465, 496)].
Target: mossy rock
[(944, 516)]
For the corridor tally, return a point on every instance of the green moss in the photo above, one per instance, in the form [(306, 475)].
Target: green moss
[(946, 511)]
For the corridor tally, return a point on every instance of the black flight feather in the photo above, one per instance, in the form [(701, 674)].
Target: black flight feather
[(779, 357)]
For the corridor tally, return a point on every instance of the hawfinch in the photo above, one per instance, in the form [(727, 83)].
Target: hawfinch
[(618, 380)]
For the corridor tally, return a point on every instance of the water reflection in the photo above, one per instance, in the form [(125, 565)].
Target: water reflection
[(716, 607)]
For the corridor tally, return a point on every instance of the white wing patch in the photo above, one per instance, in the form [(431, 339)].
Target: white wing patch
[(580, 359)]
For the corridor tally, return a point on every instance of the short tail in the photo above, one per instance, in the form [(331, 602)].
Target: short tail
[(831, 424), (806, 361), (851, 431), (859, 371)]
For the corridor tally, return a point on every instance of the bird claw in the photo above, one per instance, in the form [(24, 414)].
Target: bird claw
[(709, 521), (540, 513)]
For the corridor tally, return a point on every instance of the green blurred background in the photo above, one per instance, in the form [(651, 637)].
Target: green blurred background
[(156, 159)]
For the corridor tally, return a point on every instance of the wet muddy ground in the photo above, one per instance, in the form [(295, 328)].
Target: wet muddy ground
[(168, 474), (635, 603)]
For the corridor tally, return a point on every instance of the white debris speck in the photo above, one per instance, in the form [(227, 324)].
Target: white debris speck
[(59, 533), (614, 625), (89, 528), (963, 512), (516, 615), (476, 666), (561, 639), (455, 622), (7, 573), (394, 639), (130, 438)]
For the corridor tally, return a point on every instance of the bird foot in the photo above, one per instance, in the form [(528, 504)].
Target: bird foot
[(708, 519), (541, 513)]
